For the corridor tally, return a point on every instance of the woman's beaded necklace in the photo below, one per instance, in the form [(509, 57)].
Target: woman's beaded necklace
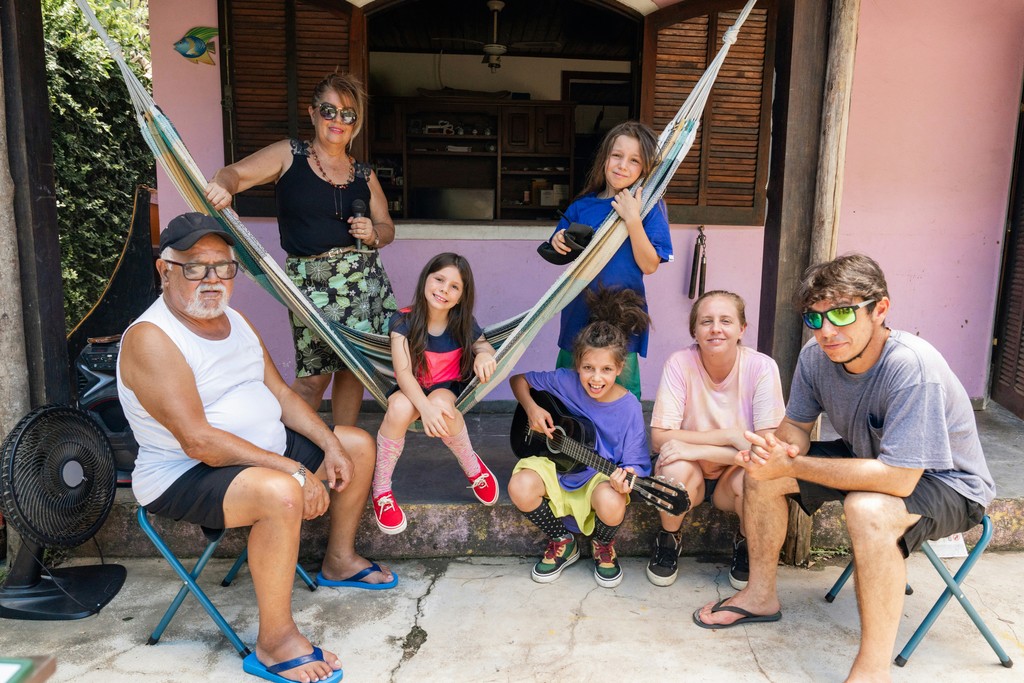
[(323, 173)]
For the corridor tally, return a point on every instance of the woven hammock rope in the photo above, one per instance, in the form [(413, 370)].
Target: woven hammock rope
[(368, 355)]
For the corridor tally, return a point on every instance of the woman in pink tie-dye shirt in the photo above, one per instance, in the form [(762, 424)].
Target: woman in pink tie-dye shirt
[(710, 393)]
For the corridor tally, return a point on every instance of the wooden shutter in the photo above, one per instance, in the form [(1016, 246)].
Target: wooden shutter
[(1008, 369), (275, 52), (724, 176)]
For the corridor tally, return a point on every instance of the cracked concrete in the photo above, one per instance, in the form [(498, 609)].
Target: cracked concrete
[(483, 619)]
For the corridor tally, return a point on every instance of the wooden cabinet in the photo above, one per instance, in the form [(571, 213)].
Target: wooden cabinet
[(537, 130), (461, 159)]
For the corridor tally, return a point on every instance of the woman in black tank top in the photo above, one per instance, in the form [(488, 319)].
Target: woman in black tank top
[(333, 220)]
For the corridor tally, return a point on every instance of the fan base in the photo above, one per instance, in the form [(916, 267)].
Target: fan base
[(72, 593)]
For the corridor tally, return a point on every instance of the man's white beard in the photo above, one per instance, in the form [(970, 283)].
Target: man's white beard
[(203, 310)]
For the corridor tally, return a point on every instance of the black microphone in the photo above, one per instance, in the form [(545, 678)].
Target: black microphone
[(358, 211)]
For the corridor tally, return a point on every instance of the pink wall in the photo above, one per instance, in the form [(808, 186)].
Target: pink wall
[(934, 111), (928, 166)]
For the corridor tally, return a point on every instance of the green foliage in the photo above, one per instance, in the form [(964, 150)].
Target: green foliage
[(99, 155)]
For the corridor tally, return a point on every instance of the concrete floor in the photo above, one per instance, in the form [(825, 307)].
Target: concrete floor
[(483, 619)]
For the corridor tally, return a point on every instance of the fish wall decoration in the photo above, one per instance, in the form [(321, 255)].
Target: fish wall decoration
[(196, 45)]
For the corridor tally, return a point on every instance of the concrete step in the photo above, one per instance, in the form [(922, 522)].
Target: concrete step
[(445, 519)]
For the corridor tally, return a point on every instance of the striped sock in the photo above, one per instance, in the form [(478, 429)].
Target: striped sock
[(388, 452), (460, 446)]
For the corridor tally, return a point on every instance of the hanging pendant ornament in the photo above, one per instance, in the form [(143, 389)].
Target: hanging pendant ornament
[(699, 269)]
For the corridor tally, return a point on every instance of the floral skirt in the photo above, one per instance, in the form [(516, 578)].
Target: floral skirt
[(351, 289)]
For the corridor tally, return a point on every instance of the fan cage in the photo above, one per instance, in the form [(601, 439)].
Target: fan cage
[(57, 477)]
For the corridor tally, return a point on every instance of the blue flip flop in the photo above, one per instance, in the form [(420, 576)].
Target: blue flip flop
[(252, 665), (356, 580)]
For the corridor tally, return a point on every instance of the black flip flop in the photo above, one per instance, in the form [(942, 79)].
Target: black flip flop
[(577, 237), (746, 617)]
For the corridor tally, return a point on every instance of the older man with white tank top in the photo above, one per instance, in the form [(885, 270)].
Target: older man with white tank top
[(224, 442)]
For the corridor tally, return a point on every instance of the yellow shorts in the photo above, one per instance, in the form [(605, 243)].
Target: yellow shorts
[(575, 504)]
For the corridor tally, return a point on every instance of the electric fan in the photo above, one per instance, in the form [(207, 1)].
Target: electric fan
[(57, 484)]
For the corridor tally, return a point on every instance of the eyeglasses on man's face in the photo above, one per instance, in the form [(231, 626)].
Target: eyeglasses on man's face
[(225, 270), (840, 316), (329, 112)]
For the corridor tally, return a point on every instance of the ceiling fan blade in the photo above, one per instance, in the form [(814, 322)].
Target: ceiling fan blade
[(535, 45), (458, 40)]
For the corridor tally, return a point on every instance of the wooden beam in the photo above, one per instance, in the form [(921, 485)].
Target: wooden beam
[(35, 209), (835, 118), (800, 67)]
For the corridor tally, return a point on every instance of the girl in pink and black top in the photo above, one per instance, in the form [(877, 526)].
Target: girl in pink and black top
[(710, 393), (436, 348)]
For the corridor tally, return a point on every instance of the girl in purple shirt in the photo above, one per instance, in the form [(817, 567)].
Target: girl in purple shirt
[(596, 502)]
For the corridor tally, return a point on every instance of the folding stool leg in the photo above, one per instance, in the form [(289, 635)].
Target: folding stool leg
[(953, 589), (190, 586), (840, 582), (244, 557), (844, 577)]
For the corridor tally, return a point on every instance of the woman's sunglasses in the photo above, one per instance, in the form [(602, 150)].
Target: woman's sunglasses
[(840, 316), (329, 112)]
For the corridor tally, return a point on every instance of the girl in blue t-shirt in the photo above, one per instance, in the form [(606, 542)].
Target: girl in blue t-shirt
[(628, 153), (436, 347), (596, 502)]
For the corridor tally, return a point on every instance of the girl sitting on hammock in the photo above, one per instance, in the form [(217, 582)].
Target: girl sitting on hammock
[(436, 347), (594, 501)]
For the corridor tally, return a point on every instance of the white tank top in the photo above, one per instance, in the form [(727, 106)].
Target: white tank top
[(229, 376)]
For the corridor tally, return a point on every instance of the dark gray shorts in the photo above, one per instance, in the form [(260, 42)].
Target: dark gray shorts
[(198, 495), (943, 511)]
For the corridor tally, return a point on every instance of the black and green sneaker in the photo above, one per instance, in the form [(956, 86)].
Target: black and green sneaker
[(561, 552), (607, 571)]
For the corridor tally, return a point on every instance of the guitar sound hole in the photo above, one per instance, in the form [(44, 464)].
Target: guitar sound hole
[(559, 431)]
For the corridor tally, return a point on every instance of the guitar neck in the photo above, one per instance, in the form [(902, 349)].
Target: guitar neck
[(584, 455)]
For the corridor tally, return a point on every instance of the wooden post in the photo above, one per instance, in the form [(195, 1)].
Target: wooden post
[(801, 53), (835, 118), (30, 154)]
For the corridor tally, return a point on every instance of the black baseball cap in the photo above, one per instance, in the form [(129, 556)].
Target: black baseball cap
[(185, 230)]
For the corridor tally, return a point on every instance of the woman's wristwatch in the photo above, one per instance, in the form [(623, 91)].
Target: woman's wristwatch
[(300, 475)]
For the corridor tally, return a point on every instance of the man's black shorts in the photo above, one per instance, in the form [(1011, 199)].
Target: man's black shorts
[(943, 511), (198, 495)]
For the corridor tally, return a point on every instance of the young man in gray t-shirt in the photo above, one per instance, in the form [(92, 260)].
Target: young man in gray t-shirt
[(908, 468)]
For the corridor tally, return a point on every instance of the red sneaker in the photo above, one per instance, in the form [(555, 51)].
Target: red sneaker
[(390, 518), (484, 485)]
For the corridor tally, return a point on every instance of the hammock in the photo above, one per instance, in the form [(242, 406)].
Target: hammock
[(368, 355)]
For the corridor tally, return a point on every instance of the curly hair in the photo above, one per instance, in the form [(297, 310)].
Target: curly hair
[(343, 84), (615, 314), (460, 317), (845, 277), (640, 132)]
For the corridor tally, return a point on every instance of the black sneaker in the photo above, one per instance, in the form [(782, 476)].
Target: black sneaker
[(664, 565), (739, 572)]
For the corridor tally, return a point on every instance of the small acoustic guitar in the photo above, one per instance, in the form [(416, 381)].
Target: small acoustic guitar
[(571, 448)]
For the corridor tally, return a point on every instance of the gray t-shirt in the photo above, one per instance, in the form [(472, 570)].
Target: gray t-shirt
[(908, 410)]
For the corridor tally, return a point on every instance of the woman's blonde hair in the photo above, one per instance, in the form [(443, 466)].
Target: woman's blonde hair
[(343, 84)]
